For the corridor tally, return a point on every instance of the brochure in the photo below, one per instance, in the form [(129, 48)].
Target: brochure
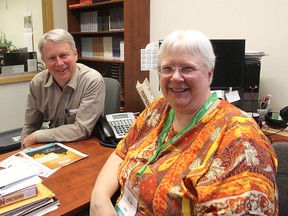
[(53, 155), (45, 159)]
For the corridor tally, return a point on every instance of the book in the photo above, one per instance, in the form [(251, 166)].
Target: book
[(87, 47), (85, 21), (19, 195), (145, 92), (107, 47), (43, 196), (44, 208), (12, 175), (98, 1), (17, 177), (116, 46), (85, 2)]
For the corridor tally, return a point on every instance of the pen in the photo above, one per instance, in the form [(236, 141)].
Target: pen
[(67, 112)]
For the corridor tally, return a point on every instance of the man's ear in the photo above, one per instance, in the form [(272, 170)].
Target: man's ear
[(76, 54)]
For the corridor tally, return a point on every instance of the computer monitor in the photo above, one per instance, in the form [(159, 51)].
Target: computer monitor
[(230, 64), (22, 58)]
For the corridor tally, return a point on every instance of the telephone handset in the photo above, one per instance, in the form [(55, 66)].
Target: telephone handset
[(112, 128)]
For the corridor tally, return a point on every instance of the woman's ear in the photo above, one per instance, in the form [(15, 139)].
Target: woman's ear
[(210, 75)]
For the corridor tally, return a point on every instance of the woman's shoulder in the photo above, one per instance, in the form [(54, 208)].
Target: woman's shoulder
[(228, 109), (159, 106)]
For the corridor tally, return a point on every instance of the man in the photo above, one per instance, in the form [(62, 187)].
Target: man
[(69, 96)]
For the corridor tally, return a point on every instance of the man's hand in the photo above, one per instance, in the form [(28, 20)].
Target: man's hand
[(30, 140)]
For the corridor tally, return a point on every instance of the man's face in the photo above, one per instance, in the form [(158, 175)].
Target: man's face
[(60, 61)]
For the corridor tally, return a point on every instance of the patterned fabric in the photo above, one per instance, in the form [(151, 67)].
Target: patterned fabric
[(224, 165)]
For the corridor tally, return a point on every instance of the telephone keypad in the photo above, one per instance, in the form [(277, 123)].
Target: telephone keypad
[(121, 126), (120, 123)]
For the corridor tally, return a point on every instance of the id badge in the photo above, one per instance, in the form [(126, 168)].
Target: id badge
[(127, 206)]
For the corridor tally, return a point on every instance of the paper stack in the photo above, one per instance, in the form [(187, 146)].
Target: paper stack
[(22, 193), (254, 55)]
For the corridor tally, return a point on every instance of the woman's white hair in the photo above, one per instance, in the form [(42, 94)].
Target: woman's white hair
[(192, 42)]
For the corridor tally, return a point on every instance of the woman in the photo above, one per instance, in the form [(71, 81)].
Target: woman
[(189, 153)]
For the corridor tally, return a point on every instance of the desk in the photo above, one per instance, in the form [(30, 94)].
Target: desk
[(73, 184), (275, 135)]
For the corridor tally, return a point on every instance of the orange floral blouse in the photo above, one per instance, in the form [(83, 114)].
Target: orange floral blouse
[(224, 165)]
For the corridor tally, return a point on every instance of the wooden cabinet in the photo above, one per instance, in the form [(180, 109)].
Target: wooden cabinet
[(135, 33)]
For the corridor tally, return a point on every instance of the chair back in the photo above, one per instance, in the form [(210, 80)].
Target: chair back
[(112, 97), (281, 150)]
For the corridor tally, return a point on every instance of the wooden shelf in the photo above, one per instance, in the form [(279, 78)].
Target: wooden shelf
[(99, 32), (96, 5), (136, 35), (15, 78), (101, 60)]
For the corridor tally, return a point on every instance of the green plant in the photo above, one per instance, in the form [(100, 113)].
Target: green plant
[(5, 43)]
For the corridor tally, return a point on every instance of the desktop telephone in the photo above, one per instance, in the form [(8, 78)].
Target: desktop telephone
[(110, 129)]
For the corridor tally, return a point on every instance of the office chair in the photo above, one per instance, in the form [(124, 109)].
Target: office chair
[(102, 129), (112, 98), (281, 150)]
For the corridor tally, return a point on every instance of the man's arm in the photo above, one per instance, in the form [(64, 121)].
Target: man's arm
[(33, 118)]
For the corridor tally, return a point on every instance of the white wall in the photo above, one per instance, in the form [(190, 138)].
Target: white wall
[(261, 22), (13, 96), (60, 14), (12, 23), (13, 102)]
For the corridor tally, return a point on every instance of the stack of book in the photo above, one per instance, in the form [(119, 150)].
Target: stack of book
[(22, 193), (107, 47), (104, 20), (81, 3)]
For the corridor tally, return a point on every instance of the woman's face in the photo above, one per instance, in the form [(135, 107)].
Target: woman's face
[(185, 92)]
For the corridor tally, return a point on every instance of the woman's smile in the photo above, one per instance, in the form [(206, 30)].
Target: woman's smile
[(178, 90)]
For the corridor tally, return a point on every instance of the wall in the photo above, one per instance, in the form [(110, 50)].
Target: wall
[(261, 22), (12, 24), (13, 96), (13, 102), (60, 14)]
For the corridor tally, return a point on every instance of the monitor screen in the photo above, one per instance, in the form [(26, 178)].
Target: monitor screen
[(230, 64)]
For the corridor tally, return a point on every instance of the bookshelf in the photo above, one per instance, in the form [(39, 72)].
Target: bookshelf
[(123, 23)]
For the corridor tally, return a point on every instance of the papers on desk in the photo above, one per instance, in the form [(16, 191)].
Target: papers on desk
[(17, 178), (45, 159), (21, 189), (22, 193)]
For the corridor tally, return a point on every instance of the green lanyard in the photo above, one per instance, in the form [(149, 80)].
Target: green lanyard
[(168, 123)]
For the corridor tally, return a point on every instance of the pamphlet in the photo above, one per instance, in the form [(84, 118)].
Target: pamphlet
[(53, 155), (43, 160)]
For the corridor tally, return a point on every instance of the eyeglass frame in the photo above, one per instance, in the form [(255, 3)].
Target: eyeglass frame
[(180, 69)]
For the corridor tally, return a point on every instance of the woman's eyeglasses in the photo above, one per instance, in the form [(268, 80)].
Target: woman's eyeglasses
[(169, 70)]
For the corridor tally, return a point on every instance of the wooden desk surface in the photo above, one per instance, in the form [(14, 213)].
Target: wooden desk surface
[(73, 184), (275, 135)]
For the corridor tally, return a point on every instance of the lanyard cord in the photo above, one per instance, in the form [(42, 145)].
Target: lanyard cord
[(168, 123)]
